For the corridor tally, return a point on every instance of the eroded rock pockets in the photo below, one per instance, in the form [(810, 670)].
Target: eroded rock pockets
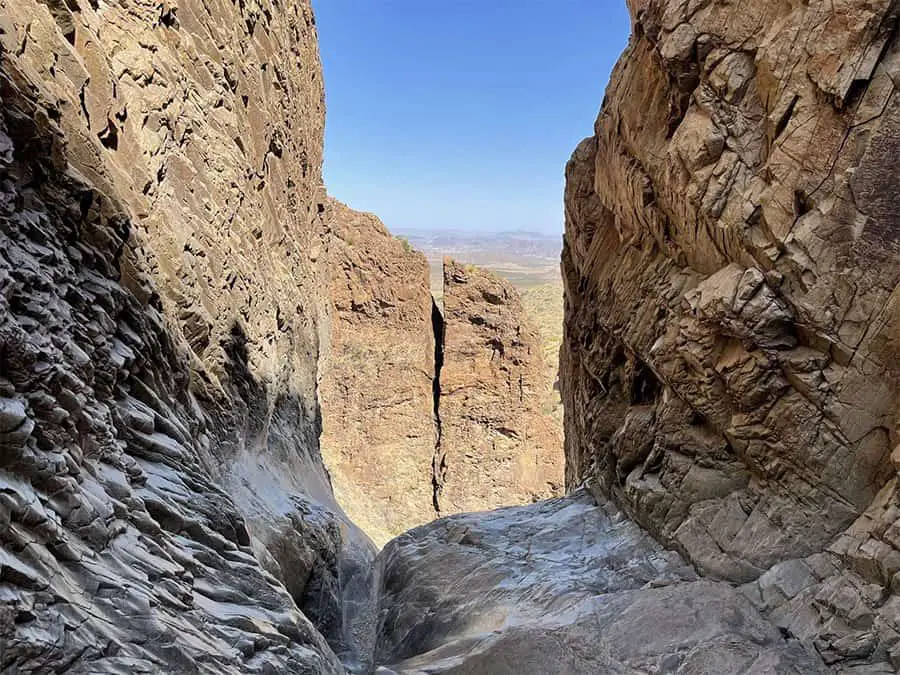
[(164, 505), (731, 263)]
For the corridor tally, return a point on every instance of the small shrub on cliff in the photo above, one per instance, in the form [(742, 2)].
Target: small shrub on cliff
[(406, 245)]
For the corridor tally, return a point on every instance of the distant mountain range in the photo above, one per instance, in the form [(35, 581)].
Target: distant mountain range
[(486, 248), (527, 259)]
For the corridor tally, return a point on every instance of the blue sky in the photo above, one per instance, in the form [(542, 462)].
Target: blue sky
[(461, 114)]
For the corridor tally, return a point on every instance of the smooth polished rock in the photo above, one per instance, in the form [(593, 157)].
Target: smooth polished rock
[(565, 585)]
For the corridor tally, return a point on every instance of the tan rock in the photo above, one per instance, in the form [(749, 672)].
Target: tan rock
[(399, 456), (729, 368), (499, 443), (376, 388)]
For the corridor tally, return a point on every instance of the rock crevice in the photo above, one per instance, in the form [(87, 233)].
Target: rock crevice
[(438, 465), (397, 454), (376, 382), (499, 442)]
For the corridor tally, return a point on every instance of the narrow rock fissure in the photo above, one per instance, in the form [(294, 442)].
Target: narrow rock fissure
[(438, 463)]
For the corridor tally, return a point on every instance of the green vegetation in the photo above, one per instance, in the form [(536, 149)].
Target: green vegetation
[(406, 245)]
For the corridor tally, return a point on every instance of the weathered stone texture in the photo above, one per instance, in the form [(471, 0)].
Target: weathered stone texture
[(730, 366), (377, 383), (163, 505), (564, 587), (168, 266), (427, 412), (499, 443)]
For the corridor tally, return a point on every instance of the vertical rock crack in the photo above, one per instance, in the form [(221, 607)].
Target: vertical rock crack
[(438, 461)]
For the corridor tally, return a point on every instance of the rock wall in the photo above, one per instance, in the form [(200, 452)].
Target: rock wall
[(428, 411), (499, 444), (170, 271), (729, 369), (164, 505), (376, 387)]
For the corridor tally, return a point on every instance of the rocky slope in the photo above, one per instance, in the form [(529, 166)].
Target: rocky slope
[(564, 587), (730, 368), (164, 505), (376, 385), (498, 443)]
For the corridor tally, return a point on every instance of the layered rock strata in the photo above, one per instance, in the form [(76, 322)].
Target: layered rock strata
[(499, 444), (168, 265), (730, 369), (163, 505), (376, 385)]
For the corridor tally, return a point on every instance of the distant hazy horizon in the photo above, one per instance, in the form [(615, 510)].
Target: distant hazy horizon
[(499, 231), (460, 116)]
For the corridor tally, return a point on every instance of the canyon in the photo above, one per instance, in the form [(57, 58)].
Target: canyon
[(428, 407), (218, 384)]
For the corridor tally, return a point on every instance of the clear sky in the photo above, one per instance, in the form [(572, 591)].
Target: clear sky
[(461, 114)]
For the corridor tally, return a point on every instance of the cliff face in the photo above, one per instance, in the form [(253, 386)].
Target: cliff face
[(163, 500), (499, 444), (730, 369), (428, 412), (170, 271), (378, 432)]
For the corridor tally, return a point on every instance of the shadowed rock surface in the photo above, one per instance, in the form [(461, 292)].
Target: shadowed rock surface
[(499, 444), (563, 586), (164, 506)]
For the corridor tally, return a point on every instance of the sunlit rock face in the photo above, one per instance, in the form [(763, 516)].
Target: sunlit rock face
[(499, 444), (730, 369), (428, 410), (564, 586), (163, 506), (377, 382)]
